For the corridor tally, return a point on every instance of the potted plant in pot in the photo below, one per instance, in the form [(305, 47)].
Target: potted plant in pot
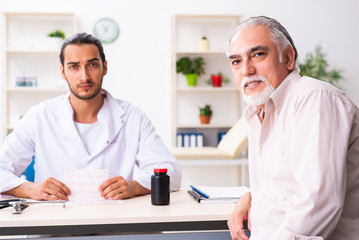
[(191, 68), (315, 65), (205, 114), (217, 79), (58, 36)]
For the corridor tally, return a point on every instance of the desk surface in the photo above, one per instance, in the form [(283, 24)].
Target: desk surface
[(133, 215)]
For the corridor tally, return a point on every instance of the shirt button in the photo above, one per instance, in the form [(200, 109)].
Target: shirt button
[(107, 142)]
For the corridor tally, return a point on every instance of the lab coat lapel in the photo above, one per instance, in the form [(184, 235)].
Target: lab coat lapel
[(111, 116), (67, 127)]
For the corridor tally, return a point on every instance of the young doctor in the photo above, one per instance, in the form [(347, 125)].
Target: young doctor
[(84, 129)]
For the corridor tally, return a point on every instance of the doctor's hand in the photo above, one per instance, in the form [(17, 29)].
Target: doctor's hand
[(118, 188), (50, 189), (239, 215)]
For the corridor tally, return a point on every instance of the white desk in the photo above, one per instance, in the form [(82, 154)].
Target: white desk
[(136, 215)]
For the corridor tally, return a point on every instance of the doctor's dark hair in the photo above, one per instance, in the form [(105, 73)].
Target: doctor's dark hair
[(280, 35), (79, 39)]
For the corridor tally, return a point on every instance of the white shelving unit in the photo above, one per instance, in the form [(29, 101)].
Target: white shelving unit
[(28, 51), (225, 101)]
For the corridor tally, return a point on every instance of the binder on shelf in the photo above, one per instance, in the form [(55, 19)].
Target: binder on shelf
[(209, 194), (179, 140), (186, 140), (221, 135), (199, 140)]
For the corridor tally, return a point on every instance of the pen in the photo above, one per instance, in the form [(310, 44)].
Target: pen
[(199, 191), (196, 196), (193, 195)]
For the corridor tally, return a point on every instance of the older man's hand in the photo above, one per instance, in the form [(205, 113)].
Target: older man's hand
[(240, 215)]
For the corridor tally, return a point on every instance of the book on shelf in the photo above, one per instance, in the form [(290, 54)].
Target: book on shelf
[(209, 194)]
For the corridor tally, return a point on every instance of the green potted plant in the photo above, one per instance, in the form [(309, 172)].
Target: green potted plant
[(57, 34), (315, 66), (217, 79), (191, 68), (58, 37), (205, 114)]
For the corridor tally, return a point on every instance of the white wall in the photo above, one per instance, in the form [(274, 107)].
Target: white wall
[(139, 61)]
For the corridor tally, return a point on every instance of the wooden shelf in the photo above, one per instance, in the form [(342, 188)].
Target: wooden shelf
[(207, 89), (27, 51), (211, 17), (9, 127), (40, 14), (214, 162), (36, 89), (200, 53), (204, 125)]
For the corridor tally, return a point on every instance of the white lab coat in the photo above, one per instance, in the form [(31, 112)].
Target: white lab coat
[(48, 132)]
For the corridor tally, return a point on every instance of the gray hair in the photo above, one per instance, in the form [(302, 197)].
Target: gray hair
[(279, 34)]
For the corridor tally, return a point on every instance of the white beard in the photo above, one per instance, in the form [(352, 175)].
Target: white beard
[(257, 99)]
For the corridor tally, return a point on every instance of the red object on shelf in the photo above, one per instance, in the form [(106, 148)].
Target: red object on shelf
[(216, 80)]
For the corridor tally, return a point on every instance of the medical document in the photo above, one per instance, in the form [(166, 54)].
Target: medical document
[(84, 185)]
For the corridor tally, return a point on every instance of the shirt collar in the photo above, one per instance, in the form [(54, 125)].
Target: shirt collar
[(277, 97), (283, 91), (109, 107)]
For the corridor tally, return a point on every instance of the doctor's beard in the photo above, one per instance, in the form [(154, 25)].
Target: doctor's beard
[(257, 99), (86, 96)]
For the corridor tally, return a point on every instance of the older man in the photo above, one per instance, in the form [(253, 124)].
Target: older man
[(303, 143)]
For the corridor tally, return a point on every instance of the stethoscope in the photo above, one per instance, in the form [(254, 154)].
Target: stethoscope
[(19, 204)]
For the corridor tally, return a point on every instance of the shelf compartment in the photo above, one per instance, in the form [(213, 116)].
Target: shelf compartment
[(29, 30), (214, 162), (36, 89), (204, 126), (190, 29), (26, 51), (207, 89), (210, 135), (203, 53), (32, 64)]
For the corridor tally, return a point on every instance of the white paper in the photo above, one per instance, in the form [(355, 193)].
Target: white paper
[(223, 192), (84, 184)]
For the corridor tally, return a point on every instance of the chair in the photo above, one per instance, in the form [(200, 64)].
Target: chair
[(231, 145), (30, 171)]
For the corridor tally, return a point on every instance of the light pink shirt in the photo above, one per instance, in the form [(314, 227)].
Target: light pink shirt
[(304, 163)]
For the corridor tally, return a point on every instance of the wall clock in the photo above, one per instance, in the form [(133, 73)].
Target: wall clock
[(106, 30)]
